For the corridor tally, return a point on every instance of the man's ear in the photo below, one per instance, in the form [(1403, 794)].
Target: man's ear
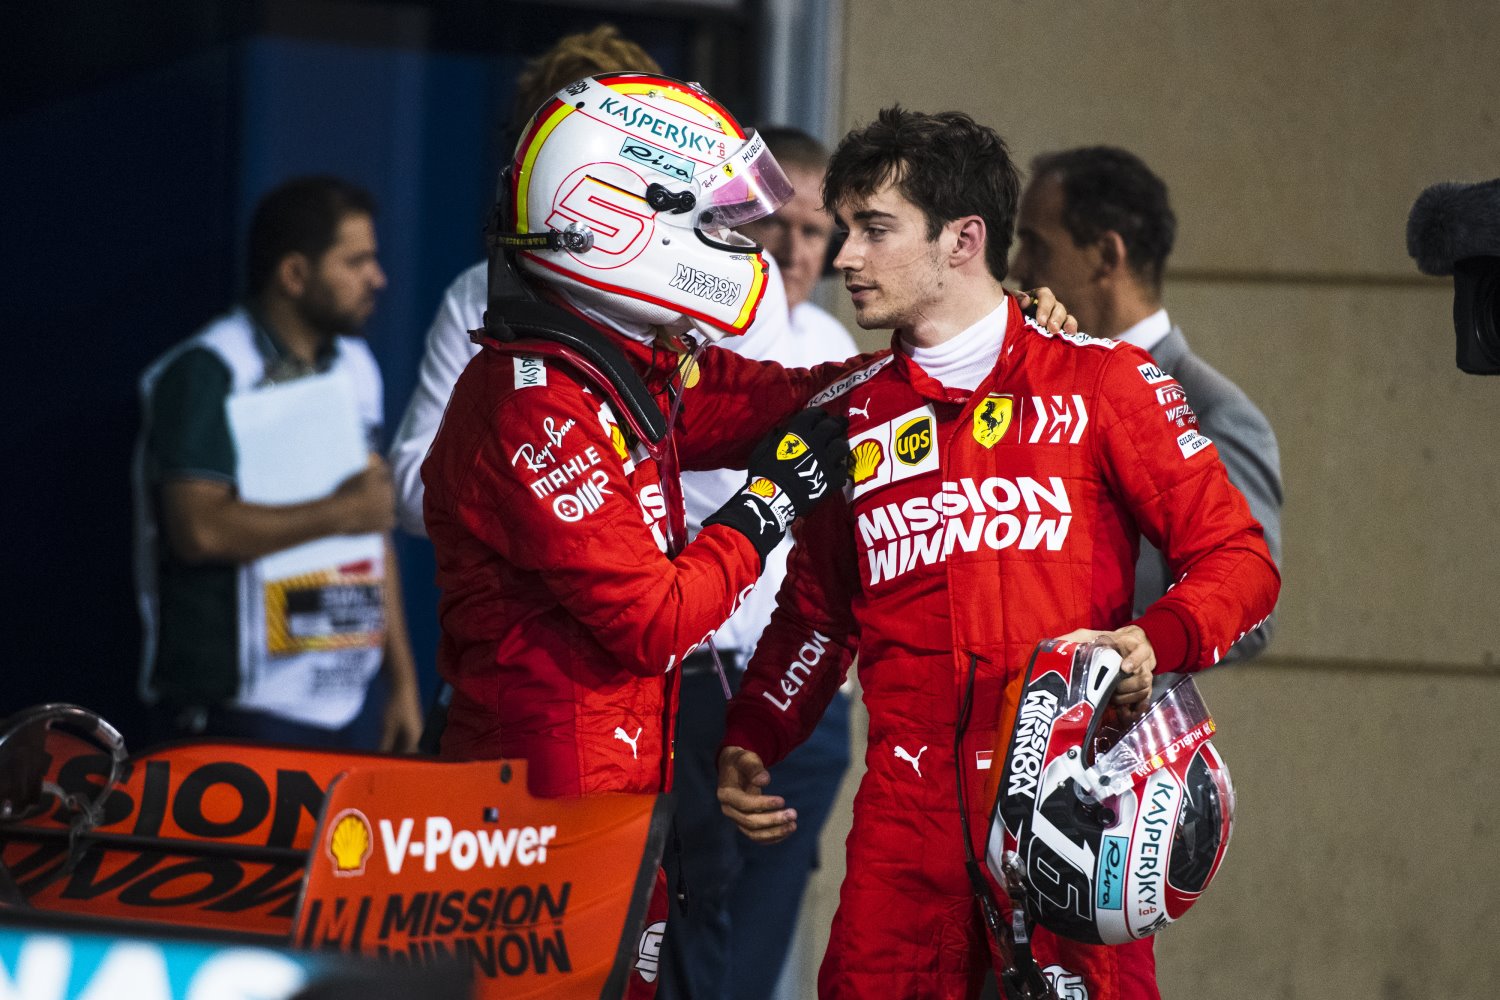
[(1113, 257), (293, 273), (969, 242)]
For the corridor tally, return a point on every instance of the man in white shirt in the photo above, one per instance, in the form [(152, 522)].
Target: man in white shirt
[(742, 897), (1095, 226)]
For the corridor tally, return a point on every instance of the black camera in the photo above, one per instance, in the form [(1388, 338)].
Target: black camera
[(1455, 229)]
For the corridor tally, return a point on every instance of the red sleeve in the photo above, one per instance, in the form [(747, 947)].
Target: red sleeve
[(1176, 487), (737, 402), (571, 516), (805, 652)]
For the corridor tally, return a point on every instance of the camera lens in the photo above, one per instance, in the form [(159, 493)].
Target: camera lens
[(1476, 314)]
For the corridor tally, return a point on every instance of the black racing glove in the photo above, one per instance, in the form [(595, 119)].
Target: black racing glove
[(789, 473)]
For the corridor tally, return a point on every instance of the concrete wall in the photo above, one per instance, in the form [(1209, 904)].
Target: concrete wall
[(1294, 137)]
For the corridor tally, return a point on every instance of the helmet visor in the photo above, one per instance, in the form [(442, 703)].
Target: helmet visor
[(1171, 728), (749, 185)]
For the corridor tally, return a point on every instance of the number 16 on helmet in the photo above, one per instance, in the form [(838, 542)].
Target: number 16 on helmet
[(1112, 846)]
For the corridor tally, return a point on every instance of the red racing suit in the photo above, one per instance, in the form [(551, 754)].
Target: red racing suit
[(976, 525), (562, 613)]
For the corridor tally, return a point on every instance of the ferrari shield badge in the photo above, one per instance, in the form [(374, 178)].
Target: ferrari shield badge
[(992, 420)]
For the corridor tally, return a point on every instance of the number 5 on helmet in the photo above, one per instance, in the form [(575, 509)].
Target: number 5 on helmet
[(642, 179)]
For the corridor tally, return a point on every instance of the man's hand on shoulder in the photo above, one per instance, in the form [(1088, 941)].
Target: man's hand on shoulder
[(1138, 661), (762, 818), (1050, 313)]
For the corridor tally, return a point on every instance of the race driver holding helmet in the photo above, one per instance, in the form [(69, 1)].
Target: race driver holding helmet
[(569, 592), (1000, 477)]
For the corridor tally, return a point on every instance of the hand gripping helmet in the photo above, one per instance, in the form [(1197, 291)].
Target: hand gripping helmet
[(631, 186), (1111, 846)]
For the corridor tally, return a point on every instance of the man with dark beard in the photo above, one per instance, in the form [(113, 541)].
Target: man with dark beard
[(265, 577)]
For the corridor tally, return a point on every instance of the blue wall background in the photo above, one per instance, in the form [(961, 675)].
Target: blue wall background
[(124, 200)]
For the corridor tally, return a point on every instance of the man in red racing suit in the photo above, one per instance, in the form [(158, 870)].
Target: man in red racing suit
[(563, 616), (551, 494), (980, 520)]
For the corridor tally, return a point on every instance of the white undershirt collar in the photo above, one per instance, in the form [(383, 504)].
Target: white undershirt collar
[(964, 361), (1148, 332), (642, 333)]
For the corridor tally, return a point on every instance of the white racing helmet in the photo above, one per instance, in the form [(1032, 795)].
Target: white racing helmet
[(1107, 847), (637, 182)]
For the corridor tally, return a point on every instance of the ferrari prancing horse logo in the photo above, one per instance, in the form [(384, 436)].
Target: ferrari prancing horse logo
[(992, 420)]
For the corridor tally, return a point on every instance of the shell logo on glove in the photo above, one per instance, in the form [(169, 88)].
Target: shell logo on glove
[(864, 460), (762, 488), (350, 843), (791, 447)]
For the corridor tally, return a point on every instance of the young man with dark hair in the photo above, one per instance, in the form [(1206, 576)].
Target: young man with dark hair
[(1000, 477), (248, 631), (1096, 226)]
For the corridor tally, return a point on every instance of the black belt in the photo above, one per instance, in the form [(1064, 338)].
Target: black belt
[(701, 661)]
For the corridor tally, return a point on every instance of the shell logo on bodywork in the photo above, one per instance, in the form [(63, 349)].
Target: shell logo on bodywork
[(350, 843)]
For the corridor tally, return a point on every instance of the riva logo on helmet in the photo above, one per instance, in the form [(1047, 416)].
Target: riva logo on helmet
[(678, 134), (1112, 873), (659, 160), (1033, 725), (706, 286)]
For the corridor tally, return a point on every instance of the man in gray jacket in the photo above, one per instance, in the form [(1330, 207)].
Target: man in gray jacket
[(1095, 226)]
